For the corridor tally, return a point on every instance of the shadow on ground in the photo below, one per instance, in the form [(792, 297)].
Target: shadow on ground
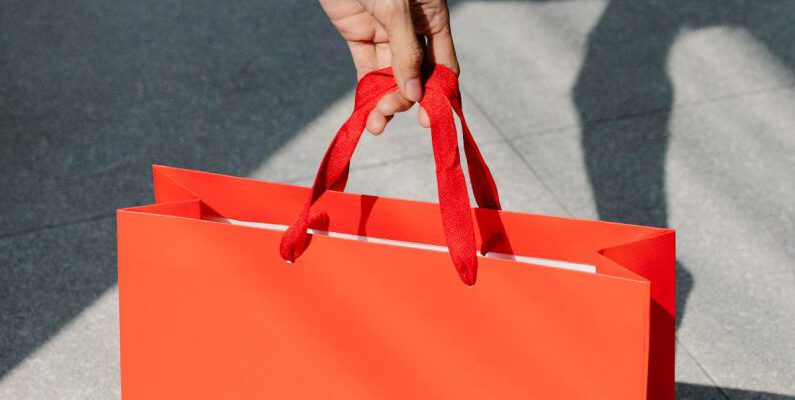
[(624, 77), (624, 96), (94, 92), (689, 391)]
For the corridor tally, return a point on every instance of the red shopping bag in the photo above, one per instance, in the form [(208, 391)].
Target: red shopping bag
[(371, 306)]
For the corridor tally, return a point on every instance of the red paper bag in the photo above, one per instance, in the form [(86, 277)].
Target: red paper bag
[(371, 306)]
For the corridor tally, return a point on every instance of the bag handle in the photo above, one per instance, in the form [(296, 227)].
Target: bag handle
[(441, 94)]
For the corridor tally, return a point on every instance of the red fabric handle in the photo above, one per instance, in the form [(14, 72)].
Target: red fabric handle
[(441, 95)]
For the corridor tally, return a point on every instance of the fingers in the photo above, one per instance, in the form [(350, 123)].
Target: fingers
[(407, 54), (364, 58), (387, 107), (376, 122), (404, 51), (441, 49), (423, 118)]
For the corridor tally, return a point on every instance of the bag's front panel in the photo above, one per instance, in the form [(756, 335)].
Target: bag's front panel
[(211, 311), (527, 234)]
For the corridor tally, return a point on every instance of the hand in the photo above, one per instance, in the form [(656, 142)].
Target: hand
[(400, 33)]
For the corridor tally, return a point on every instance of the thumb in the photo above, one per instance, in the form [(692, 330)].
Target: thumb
[(407, 54)]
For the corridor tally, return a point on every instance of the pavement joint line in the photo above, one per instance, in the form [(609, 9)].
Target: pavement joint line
[(56, 225), (101, 216), (508, 139), (704, 370), (516, 151), (739, 95), (371, 165), (652, 111), (121, 163)]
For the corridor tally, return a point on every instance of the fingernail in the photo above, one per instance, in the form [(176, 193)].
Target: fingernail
[(414, 89)]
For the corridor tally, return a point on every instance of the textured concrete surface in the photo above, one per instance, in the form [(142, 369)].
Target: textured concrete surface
[(675, 113)]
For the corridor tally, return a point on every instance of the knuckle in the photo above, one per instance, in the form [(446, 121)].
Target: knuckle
[(391, 104), (387, 10), (413, 56)]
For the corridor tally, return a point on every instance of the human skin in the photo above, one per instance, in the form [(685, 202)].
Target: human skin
[(402, 34)]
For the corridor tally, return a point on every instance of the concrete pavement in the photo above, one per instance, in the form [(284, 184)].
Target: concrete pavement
[(673, 113)]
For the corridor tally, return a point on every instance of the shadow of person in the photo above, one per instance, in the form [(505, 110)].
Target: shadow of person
[(623, 95), (690, 391)]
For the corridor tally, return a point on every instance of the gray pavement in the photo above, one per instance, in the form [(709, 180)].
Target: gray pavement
[(676, 113)]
